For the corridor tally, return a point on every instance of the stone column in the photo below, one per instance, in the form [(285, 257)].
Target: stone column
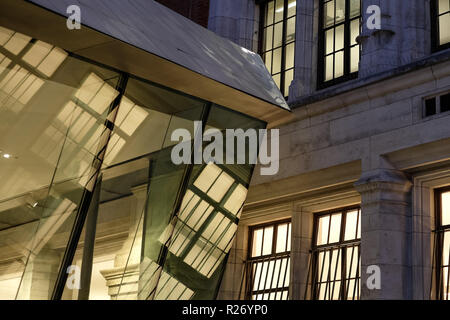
[(306, 38), (385, 232), (402, 38), (235, 20), (301, 241)]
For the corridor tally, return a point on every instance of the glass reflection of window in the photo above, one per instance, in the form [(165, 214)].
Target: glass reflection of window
[(278, 43), (268, 265), (206, 224), (163, 284), (441, 24), (79, 120), (336, 255), (23, 80), (442, 255), (339, 51)]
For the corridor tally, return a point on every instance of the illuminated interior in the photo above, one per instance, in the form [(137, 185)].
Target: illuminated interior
[(268, 265), (340, 18), (336, 255), (279, 15)]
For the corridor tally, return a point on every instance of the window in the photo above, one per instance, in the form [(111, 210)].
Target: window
[(268, 264), (340, 25), (442, 234), (440, 10), (335, 254), (278, 43), (437, 104)]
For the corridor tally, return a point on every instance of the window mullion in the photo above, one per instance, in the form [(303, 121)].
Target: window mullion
[(283, 47), (347, 39)]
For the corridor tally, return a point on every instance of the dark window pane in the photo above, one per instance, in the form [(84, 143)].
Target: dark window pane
[(445, 102), (430, 107)]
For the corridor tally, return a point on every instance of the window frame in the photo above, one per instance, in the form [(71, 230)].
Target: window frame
[(262, 12), (273, 256), (435, 37), (348, 75), (439, 232), (329, 247)]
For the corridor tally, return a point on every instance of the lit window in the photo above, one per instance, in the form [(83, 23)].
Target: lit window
[(336, 256), (441, 24), (442, 244), (278, 43), (339, 52), (268, 265)]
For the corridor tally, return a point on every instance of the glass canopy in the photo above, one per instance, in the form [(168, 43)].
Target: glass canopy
[(91, 205)]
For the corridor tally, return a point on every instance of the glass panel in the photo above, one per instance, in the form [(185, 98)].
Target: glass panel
[(352, 262), (335, 228), (236, 200), (276, 66), (339, 39), (268, 38), (322, 231), (359, 225), (268, 61), (329, 64), (45, 133), (444, 6), (289, 237), (445, 273), (292, 8), (324, 266), (290, 30), (290, 55), (220, 187), (269, 12), (329, 13), (354, 31), (278, 35), (446, 249), (340, 11), (268, 240), (281, 238), (17, 42), (279, 10), (351, 225), (289, 76), (445, 198), (277, 79), (355, 8), (354, 59), (339, 64), (257, 242), (350, 289), (329, 41), (444, 29), (335, 265)]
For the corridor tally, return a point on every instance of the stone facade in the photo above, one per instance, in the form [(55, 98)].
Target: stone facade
[(365, 142)]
